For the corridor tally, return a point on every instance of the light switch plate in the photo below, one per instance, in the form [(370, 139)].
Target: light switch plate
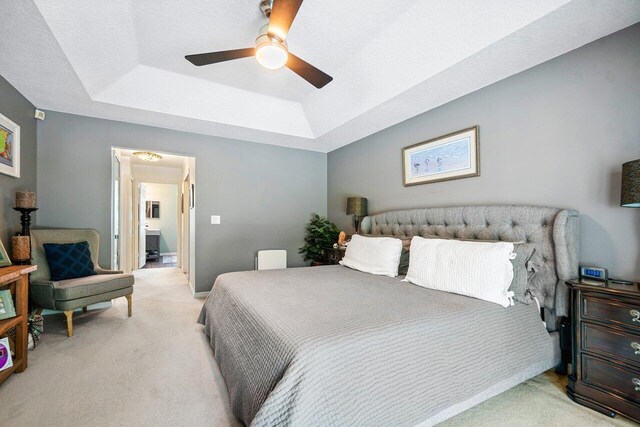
[(215, 219)]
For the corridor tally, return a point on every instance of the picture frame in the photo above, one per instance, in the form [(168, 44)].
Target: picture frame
[(5, 261), (9, 147), (452, 156), (7, 309)]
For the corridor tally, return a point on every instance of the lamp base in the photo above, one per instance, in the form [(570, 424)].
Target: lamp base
[(357, 220)]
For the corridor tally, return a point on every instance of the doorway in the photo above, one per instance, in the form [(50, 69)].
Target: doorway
[(161, 223), (153, 217)]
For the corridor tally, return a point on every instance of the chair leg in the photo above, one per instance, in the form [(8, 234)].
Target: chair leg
[(128, 297), (84, 309), (69, 314)]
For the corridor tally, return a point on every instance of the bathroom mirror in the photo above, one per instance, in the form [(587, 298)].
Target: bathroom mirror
[(153, 209)]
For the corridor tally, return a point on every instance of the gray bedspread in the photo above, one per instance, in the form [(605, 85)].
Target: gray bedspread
[(332, 346)]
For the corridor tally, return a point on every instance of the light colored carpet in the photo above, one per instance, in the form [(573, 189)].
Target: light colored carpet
[(157, 368), (541, 401)]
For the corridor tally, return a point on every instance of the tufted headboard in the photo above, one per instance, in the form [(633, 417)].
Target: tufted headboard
[(553, 232)]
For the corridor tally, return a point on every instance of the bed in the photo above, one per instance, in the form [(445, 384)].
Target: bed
[(334, 346)]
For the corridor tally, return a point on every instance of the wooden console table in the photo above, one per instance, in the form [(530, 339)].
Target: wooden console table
[(16, 278)]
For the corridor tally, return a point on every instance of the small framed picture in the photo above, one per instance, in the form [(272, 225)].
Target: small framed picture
[(452, 156), (5, 261), (7, 309)]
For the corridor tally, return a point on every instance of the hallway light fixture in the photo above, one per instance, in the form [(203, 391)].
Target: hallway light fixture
[(147, 156)]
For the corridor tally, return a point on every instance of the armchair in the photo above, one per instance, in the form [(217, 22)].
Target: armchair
[(68, 295)]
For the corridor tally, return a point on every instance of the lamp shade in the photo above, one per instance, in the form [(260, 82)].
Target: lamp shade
[(630, 195), (357, 206)]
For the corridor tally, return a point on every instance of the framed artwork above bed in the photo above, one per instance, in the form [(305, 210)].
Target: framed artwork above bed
[(452, 156)]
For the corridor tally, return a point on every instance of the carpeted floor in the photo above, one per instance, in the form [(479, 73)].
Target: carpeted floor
[(157, 368)]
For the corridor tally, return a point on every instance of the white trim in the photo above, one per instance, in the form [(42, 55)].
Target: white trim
[(114, 248), (169, 254)]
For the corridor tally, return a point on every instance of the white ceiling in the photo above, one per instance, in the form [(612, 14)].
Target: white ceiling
[(167, 161), (390, 60)]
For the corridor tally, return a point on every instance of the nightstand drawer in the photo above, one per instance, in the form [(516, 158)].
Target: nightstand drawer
[(610, 311), (612, 342), (611, 377)]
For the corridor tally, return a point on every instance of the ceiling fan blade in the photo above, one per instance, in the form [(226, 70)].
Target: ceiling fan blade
[(282, 14), (308, 72), (225, 55)]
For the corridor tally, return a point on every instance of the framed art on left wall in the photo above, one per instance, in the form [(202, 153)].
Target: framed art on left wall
[(9, 147)]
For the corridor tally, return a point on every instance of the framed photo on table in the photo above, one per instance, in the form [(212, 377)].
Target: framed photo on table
[(452, 156), (5, 261), (7, 309), (9, 147)]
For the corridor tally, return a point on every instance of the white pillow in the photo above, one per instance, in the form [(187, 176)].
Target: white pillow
[(480, 270), (375, 255)]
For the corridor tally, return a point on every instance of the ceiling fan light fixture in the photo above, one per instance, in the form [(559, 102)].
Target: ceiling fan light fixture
[(147, 156), (271, 54), (271, 50)]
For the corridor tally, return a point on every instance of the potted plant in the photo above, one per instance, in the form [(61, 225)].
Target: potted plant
[(321, 234)]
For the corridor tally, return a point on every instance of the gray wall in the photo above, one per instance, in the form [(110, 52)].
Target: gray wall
[(553, 135), (265, 194), (19, 110)]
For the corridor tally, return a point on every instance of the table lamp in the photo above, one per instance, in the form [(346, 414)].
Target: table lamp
[(357, 206), (630, 194)]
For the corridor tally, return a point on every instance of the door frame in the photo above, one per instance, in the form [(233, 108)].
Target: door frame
[(185, 225), (116, 210), (188, 233)]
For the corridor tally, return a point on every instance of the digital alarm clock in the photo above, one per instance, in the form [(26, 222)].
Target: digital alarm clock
[(594, 273)]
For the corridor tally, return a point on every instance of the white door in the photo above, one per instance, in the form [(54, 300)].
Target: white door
[(142, 220)]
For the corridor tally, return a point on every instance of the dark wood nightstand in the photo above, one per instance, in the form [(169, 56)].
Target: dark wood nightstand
[(606, 347), (333, 256)]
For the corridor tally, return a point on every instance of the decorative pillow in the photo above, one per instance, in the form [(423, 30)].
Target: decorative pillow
[(476, 269), (521, 272), (535, 282), (524, 265), (375, 255), (403, 267), (69, 260)]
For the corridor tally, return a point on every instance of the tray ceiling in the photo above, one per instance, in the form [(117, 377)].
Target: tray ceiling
[(124, 60)]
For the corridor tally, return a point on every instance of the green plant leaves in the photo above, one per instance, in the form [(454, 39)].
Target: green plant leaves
[(321, 234)]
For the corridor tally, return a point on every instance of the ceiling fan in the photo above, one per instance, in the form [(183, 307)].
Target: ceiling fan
[(271, 49)]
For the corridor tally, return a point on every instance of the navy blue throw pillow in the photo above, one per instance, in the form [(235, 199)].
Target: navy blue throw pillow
[(69, 260)]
